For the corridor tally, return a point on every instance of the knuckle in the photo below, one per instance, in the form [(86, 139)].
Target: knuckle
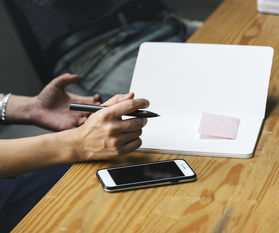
[(139, 142), (114, 142), (140, 132), (110, 128), (130, 104), (99, 117), (106, 115), (142, 122), (118, 151), (139, 123)]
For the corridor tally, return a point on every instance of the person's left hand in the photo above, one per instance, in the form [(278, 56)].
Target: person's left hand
[(51, 106)]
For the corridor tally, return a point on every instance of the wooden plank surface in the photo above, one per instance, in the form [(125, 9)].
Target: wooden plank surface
[(249, 188)]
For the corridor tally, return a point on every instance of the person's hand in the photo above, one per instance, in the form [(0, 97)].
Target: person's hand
[(51, 107), (105, 135)]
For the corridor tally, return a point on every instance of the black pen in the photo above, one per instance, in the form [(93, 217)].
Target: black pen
[(95, 108)]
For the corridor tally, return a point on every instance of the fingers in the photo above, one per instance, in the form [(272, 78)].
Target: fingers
[(107, 135), (124, 144), (64, 80), (126, 107), (119, 98), (97, 99), (94, 100), (125, 138), (131, 125), (131, 146)]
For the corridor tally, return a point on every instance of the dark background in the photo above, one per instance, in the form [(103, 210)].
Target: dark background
[(18, 76)]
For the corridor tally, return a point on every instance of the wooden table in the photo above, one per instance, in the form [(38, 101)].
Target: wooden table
[(247, 190)]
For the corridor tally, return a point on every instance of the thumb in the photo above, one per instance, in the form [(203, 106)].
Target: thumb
[(64, 80), (119, 98)]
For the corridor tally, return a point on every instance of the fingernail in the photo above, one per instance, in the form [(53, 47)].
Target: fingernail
[(146, 103), (129, 94)]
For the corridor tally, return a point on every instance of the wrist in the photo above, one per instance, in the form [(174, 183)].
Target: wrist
[(18, 109), (37, 113), (69, 150)]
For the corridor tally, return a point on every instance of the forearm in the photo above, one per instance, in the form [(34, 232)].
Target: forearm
[(104, 135), (28, 154)]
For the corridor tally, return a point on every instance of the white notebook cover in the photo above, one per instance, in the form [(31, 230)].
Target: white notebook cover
[(268, 6), (184, 80)]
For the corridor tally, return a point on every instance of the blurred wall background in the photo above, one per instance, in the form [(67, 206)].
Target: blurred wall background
[(17, 74)]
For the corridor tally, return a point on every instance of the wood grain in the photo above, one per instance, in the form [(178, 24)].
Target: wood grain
[(250, 188)]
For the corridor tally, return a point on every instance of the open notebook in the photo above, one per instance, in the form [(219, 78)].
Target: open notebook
[(184, 81)]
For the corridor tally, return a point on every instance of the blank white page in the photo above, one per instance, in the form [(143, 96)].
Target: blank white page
[(183, 80)]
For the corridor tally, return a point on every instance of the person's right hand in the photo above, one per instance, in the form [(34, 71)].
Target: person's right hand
[(105, 135)]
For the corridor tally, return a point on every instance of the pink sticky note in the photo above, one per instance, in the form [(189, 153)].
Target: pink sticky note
[(218, 126)]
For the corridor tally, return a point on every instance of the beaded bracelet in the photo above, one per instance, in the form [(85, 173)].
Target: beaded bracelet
[(3, 105)]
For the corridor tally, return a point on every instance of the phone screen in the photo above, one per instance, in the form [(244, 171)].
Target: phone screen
[(147, 172)]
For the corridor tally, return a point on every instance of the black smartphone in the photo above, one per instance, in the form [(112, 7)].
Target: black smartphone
[(146, 175)]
